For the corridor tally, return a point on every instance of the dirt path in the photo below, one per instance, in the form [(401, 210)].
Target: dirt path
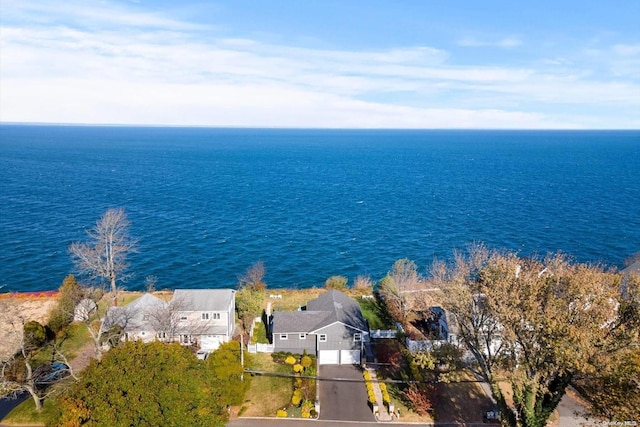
[(82, 359)]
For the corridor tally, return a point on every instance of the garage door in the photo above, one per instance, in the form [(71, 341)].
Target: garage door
[(329, 357), (349, 357)]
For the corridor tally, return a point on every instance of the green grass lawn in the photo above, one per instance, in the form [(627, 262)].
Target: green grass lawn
[(259, 334), (25, 414), (267, 394), (377, 316)]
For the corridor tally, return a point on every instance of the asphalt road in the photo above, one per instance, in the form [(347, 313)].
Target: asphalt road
[(345, 398), (571, 412), (7, 404)]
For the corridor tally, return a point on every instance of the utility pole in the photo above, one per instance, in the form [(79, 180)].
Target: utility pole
[(242, 356)]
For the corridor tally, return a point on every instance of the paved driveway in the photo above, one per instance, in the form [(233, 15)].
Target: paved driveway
[(343, 395)]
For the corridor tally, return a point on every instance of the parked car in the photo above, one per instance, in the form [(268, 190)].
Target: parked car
[(491, 417), (46, 375)]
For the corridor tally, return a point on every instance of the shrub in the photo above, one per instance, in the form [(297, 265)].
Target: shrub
[(385, 393), (296, 398), (363, 283), (35, 335), (307, 408), (306, 361), (281, 413), (336, 282), (297, 368), (421, 403), (290, 360)]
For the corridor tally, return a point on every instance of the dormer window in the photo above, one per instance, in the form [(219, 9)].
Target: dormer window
[(205, 316)]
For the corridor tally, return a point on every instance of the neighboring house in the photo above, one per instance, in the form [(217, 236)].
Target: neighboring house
[(139, 319), (442, 328), (331, 327), (201, 317), (204, 317)]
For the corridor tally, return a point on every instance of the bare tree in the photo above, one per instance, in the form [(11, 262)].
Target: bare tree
[(105, 326), (166, 319), (106, 253), (253, 278)]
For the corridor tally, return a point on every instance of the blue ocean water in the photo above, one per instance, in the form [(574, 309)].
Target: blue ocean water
[(206, 204)]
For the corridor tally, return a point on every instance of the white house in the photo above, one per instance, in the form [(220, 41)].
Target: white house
[(139, 319), (204, 317)]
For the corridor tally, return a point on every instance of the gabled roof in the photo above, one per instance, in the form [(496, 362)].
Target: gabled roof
[(331, 307), (342, 309), (146, 301), (297, 321), (204, 299), (134, 315)]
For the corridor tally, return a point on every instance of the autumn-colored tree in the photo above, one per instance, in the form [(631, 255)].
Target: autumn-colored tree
[(143, 384), (253, 278), (393, 287), (547, 322)]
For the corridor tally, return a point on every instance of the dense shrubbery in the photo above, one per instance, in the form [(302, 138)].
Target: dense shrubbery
[(153, 384)]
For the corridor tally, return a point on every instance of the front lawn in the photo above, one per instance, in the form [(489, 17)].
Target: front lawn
[(267, 393)]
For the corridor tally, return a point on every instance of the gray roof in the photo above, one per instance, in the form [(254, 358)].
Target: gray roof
[(331, 307), (297, 321), (204, 299), (132, 316)]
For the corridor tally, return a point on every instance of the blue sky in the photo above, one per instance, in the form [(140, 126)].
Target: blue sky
[(334, 64)]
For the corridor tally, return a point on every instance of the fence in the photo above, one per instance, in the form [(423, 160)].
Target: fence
[(383, 333), (260, 348)]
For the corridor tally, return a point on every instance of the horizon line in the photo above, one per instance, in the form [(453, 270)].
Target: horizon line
[(179, 126)]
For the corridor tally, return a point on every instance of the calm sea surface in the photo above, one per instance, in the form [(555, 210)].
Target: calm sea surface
[(206, 204)]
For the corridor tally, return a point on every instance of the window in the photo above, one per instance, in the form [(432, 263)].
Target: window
[(357, 337), (284, 337), (205, 316), (162, 335), (143, 333), (216, 316), (183, 317), (303, 336), (322, 338)]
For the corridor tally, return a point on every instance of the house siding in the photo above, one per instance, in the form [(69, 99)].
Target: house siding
[(339, 337), (294, 344)]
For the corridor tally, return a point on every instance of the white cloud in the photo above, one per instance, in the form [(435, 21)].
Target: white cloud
[(506, 42), (150, 69), (627, 49)]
